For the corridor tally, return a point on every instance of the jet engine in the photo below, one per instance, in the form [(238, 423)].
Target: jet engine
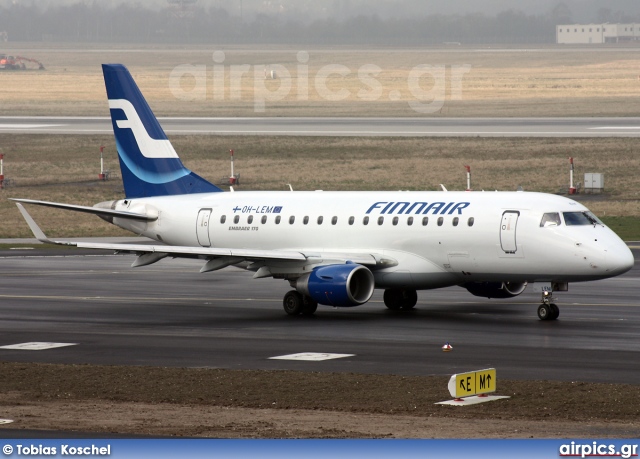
[(338, 285), (496, 289)]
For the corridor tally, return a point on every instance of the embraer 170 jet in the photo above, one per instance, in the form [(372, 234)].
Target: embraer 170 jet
[(335, 248)]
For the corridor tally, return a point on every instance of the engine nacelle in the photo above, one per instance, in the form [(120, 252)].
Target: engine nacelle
[(338, 285), (496, 289)]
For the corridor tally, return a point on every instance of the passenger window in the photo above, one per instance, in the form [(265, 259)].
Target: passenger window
[(278, 220), (455, 221), (292, 219), (264, 219), (223, 218), (320, 220), (380, 220), (250, 219), (550, 219), (410, 221), (425, 221), (365, 221), (395, 221), (305, 220), (236, 219), (471, 221), (351, 220), (334, 220), (440, 221)]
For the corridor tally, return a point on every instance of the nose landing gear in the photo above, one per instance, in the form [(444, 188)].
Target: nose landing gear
[(548, 310)]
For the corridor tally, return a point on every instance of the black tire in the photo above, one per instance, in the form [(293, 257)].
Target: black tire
[(399, 299), (393, 299), (309, 306), (555, 311), (409, 299), (544, 312), (293, 303)]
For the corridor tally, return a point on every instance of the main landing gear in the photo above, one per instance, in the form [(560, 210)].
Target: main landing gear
[(548, 310), (400, 299), (295, 303)]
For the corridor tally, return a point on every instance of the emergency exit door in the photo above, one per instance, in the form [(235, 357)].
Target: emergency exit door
[(508, 231), (202, 227)]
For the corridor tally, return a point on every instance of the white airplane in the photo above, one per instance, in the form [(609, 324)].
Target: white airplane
[(335, 248)]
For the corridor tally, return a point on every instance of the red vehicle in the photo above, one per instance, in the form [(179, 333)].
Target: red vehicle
[(17, 62)]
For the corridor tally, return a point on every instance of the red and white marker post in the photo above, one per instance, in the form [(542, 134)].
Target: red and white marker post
[(101, 176), (572, 189), (468, 168)]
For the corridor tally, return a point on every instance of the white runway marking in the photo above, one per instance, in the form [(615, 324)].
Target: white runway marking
[(616, 127), (36, 346), (311, 356)]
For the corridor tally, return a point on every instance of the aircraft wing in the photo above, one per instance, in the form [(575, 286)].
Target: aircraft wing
[(218, 258)]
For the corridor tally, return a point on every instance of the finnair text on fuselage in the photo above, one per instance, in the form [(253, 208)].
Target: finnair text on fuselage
[(416, 208)]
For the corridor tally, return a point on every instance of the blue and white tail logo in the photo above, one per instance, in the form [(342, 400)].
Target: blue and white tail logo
[(150, 166)]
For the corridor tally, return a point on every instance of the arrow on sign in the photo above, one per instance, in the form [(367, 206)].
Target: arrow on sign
[(485, 381)]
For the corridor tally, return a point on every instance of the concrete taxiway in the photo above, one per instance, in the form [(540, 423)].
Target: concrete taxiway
[(168, 314)]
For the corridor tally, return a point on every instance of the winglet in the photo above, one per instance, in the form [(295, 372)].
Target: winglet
[(35, 229)]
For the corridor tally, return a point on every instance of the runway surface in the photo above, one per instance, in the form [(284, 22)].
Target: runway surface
[(168, 314), (368, 127)]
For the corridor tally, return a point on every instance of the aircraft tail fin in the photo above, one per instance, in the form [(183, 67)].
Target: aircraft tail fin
[(150, 166)]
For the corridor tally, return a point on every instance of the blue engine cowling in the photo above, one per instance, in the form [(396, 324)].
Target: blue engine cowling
[(338, 285)]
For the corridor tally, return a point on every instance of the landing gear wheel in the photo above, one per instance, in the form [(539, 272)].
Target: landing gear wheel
[(293, 303), (393, 299), (548, 311), (397, 299), (309, 306), (409, 299), (544, 311)]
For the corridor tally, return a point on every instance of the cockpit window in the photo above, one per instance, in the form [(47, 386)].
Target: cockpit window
[(550, 219), (580, 218)]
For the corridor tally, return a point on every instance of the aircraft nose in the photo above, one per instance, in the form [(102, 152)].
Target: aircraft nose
[(619, 259)]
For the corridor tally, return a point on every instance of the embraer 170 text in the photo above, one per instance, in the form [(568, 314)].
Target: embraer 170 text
[(335, 248)]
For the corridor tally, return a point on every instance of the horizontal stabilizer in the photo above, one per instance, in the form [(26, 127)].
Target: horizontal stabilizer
[(90, 210)]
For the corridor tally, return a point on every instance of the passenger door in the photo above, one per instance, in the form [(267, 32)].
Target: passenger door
[(202, 227), (508, 231)]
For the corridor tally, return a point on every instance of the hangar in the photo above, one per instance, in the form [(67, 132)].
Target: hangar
[(597, 33)]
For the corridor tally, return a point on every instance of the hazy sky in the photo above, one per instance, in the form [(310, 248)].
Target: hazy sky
[(582, 10)]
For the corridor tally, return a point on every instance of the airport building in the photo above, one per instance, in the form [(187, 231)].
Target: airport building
[(596, 33)]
